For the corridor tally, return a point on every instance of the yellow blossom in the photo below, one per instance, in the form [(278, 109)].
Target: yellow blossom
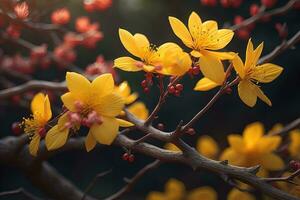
[(92, 104), (139, 110), (236, 194), (203, 39), (172, 147), (124, 91), (168, 59), (35, 126), (251, 74), (175, 190), (207, 146), (294, 146), (253, 148)]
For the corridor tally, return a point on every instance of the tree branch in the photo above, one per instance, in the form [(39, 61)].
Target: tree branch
[(21, 191)]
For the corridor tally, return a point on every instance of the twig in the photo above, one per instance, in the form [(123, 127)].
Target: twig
[(288, 179), (93, 182), (18, 191), (291, 126), (262, 14), (132, 182)]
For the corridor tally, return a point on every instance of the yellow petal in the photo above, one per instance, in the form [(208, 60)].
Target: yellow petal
[(62, 121), (123, 89), (56, 138), (196, 54), (257, 53), (247, 93), (249, 54), (37, 103), (210, 26), (212, 68), (129, 42), (195, 25), (236, 142), (220, 39), (233, 157), (262, 96), (207, 146), (294, 147), (47, 109), (78, 85), (106, 132), (266, 73), (40, 107), (205, 84), (220, 55), (127, 64), (236, 194), (139, 110), (131, 98), (205, 193), (238, 66), (110, 105), (143, 44), (124, 123), (172, 147), (156, 196), (181, 31), (34, 144), (272, 162), (103, 85), (174, 189), (253, 132), (90, 142), (148, 68), (69, 100), (268, 144)]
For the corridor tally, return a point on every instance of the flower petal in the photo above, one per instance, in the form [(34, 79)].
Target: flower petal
[(106, 132), (247, 93), (56, 138), (103, 85), (156, 196), (110, 105), (143, 44), (34, 144), (236, 194), (253, 133), (266, 73), (124, 123), (174, 189), (139, 110), (220, 55), (37, 103), (127, 64), (90, 142), (212, 68), (41, 108), (181, 31), (236, 142), (262, 96), (205, 192), (195, 24), (233, 157), (205, 84), (78, 85), (220, 39), (69, 100), (249, 54), (172, 147), (272, 162), (268, 144), (129, 42), (238, 66), (207, 146)]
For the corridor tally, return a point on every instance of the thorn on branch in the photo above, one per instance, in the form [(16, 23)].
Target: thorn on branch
[(254, 170), (224, 162)]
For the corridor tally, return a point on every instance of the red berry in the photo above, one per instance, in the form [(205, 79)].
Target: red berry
[(191, 131), (149, 76), (295, 165), (42, 132), (238, 19), (195, 70), (144, 83), (282, 30), (254, 9), (225, 3), (243, 34), (125, 156), (16, 128), (171, 89), (177, 93), (236, 3), (268, 3), (131, 158), (161, 126), (179, 87), (146, 90)]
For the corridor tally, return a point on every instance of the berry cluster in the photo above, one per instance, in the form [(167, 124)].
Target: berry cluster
[(147, 82), (175, 89), (128, 157)]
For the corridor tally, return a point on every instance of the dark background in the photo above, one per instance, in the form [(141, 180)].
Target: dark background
[(228, 115)]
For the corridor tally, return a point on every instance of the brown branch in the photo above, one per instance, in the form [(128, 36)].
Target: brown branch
[(285, 45), (288, 179), (19, 191), (277, 11), (291, 126), (93, 182), (132, 182)]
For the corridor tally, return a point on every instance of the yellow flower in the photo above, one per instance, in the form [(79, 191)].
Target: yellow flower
[(35, 126), (172, 147), (92, 104), (207, 146), (175, 190), (250, 74), (294, 146), (236, 194), (168, 59), (139, 110), (124, 91), (253, 148), (203, 39)]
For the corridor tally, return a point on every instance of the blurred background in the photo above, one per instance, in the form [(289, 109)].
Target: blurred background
[(150, 17)]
